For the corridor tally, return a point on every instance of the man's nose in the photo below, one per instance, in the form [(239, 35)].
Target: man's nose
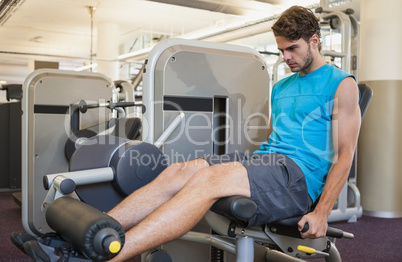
[(286, 55)]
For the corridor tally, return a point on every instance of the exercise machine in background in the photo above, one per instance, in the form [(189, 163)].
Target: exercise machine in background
[(10, 138)]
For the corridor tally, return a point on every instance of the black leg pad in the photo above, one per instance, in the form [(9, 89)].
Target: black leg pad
[(239, 209), (95, 234)]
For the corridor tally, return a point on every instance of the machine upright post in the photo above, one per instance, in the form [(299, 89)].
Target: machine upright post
[(245, 249)]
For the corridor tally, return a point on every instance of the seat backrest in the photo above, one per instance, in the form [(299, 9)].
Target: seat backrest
[(366, 93)]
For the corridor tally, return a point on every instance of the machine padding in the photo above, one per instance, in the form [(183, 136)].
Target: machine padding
[(238, 208), (135, 164), (84, 227)]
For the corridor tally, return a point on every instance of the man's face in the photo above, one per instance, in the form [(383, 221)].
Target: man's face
[(297, 54)]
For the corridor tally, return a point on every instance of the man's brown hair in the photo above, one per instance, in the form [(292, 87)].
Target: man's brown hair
[(297, 22)]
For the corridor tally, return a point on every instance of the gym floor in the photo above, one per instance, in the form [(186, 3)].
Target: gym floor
[(376, 239)]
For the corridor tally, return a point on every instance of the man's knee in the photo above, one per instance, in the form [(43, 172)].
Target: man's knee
[(173, 170), (181, 172), (223, 179)]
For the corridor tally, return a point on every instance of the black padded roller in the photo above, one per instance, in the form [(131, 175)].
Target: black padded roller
[(95, 234), (135, 164), (238, 208)]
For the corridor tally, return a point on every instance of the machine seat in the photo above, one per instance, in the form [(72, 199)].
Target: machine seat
[(240, 209)]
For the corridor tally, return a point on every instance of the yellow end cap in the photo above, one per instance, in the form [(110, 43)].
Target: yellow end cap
[(305, 249), (114, 247)]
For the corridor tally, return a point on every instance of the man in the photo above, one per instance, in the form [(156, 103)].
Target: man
[(315, 125), (299, 44)]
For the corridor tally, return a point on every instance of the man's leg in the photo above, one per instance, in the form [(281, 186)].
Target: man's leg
[(134, 208), (183, 211)]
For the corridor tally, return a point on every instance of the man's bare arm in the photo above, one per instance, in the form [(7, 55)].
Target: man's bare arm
[(346, 126)]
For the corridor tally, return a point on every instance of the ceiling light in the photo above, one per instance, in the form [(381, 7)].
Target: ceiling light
[(90, 66), (7, 8), (144, 51)]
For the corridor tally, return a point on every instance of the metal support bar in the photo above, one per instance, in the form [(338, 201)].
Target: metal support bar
[(63, 184), (245, 249), (83, 177), (208, 239)]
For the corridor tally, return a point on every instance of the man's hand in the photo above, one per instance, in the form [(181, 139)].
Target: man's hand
[(317, 225)]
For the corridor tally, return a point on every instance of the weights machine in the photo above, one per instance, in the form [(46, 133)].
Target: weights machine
[(199, 98)]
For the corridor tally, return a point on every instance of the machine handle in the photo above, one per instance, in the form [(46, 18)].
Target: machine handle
[(83, 106), (332, 232), (305, 228), (337, 233), (310, 250), (113, 105)]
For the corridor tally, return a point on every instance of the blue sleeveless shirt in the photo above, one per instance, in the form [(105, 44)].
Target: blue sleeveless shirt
[(302, 123)]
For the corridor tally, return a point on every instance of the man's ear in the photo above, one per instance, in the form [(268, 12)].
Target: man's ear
[(315, 40)]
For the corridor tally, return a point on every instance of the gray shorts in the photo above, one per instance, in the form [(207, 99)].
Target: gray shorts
[(277, 185)]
